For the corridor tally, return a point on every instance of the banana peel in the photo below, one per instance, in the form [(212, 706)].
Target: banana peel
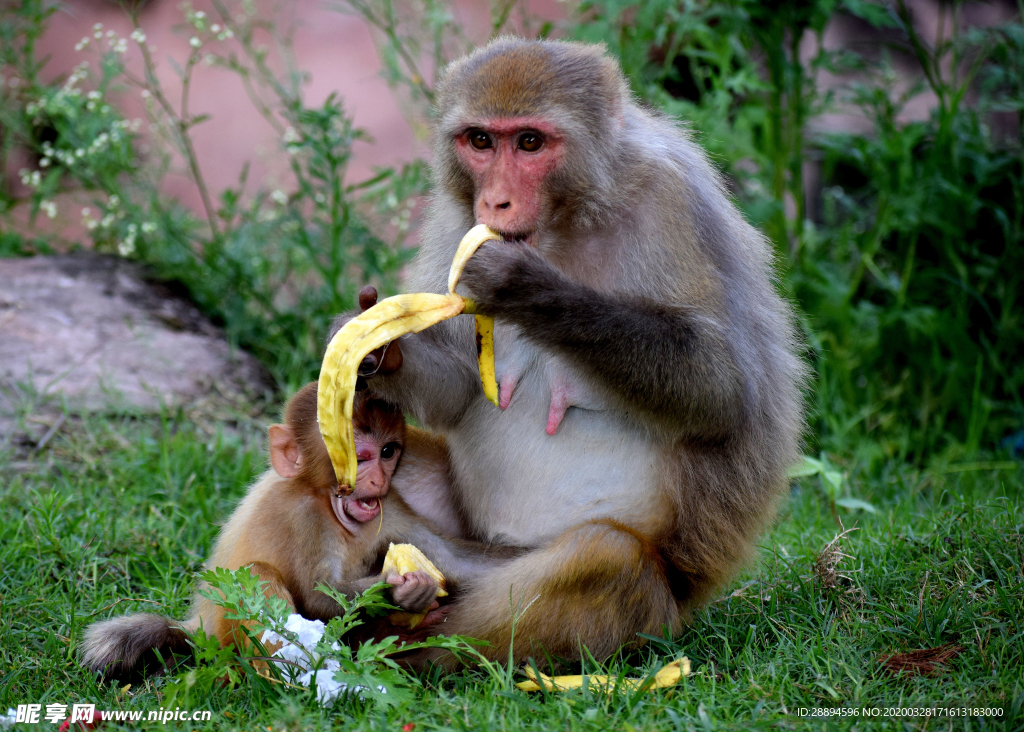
[(667, 676), (405, 558), (379, 325)]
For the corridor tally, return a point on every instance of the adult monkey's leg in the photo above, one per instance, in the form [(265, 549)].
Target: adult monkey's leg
[(596, 585)]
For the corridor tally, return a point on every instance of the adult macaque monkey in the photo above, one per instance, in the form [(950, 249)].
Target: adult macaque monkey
[(295, 530), (650, 390)]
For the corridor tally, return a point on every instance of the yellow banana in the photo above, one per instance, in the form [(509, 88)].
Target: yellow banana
[(384, 322), (667, 676), (485, 356), (405, 558), (472, 241)]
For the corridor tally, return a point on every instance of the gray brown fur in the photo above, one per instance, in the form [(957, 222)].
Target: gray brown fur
[(652, 291), (118, 647)]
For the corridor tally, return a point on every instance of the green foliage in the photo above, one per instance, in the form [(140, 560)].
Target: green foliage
[(272, 266), (321, 658)]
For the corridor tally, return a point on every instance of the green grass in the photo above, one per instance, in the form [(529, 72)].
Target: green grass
[(116, 514)]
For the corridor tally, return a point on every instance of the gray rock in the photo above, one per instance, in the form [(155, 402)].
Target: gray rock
[(97, 331)]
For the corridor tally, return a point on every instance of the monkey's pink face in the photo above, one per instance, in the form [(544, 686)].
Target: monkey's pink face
[(509, 160), (376, 465)]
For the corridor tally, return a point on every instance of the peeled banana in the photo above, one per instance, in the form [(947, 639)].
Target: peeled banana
[(385, 321), (405, 558)]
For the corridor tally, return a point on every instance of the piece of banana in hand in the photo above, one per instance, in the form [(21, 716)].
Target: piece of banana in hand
[(378, 325), (405, 558)]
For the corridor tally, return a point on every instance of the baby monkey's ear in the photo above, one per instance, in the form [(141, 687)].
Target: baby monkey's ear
[(285, 455)]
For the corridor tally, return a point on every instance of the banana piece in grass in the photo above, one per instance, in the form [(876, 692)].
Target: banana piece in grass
[(669, 675), (371, 329), (405, 558)]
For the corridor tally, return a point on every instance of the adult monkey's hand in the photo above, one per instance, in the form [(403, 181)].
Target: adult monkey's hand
[(385, 360)]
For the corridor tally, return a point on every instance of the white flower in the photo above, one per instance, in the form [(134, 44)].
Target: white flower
[(309, 631), (94, 95), (138, 36), (328, 689), (86, 211), (114, 200), (50, 208), (45, 163), (148, 227), (127, 247), (98, 26), (199, 15), (215, 28), (194, 42), (146, 94), (279, 196), (82, 44), (290, 135)]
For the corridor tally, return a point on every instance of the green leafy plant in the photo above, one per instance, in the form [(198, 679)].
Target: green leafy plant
[(273, 266), (322, 659)]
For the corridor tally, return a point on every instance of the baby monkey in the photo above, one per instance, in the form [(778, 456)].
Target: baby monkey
[(296, 530)]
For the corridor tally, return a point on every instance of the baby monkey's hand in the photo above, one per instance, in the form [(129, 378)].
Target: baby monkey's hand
[(414, 592)]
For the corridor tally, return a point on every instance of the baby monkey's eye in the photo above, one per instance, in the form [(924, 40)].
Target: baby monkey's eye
[(480, 140), (390, 450)]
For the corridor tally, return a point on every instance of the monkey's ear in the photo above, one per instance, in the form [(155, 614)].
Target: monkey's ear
[(284, 451)]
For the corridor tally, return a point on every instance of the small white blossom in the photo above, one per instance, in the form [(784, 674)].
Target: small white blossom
[(98, 26), (79, 153), (194, 42), (138, 36), (45, 163), (148, 227), (94, 95), (279, 196), (226, 34), (121, 46), (114, 200), (146, 94), (97, 35), (82, 44), (215, 28), (86, 211), (126, 248), (49, 208)]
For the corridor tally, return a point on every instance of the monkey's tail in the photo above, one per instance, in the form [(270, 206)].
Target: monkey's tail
[(119, 648)]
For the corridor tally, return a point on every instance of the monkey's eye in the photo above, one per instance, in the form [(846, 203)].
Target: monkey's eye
[(531, 142), (480, 140), (390, 450)]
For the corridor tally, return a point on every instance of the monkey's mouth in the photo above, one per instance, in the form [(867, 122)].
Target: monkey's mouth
[(351, 511), (521, 237)]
